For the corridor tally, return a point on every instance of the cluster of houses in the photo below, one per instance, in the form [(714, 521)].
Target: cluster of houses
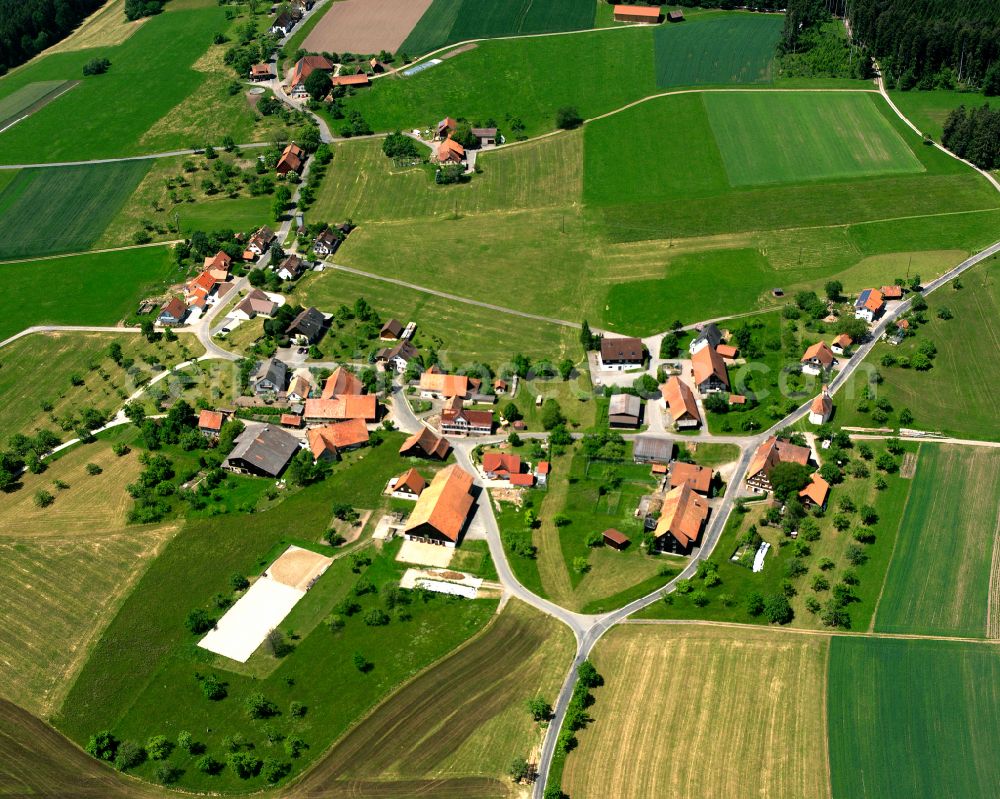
[(508, 468), (773, 451), (305, 66), (208, 287), (449, 151)]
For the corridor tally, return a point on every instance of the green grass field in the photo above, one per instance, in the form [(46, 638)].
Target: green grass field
[(939, 580), (449, 21), (104, 385), (955, 396), (929, 110), (91, 289), (913, 718), (140, 679), (822, 137), (463, 719), (64, 209), (717, 51), (151, 74), (527, 78), (361, 183)]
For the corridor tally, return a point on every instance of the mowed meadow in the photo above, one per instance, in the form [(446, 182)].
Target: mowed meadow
[(940, 581), (721, 710)]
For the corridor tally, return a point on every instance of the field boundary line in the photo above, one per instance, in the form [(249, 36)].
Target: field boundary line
[(805, 631), (895, 542), (33, 258), (826, 718), (992, 620)]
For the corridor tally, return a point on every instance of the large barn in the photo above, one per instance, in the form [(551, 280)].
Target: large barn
[(443, 508)]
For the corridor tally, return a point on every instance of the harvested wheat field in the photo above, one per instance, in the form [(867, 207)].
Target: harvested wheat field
[(89, 503), (106, 27), (689, 711), (365, 26), (58, 595)]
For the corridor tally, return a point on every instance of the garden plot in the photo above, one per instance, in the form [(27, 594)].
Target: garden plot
[(265, 604)]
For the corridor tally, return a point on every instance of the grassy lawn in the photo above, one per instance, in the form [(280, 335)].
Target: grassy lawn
[(933, 733), (955, 396), (727, 601), (526, 78), (361, 183), (138, 690), (713, 455), (939, 580), (513, 525), (161, 210), (461, 720), (575, 397), (449, 21), (929, 110), (104, 384), (747, 726), (460, 333), (89, 289), (47, 211), (825, 137), (67, 568), (720, 50), (154, 72)]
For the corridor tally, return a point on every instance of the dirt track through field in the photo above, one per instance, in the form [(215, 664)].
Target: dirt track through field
[(993, 611), (365, 26), (704, 711)]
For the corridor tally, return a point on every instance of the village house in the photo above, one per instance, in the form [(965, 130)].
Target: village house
[(291, 420), (425, 444), (869, 305), (199, 289), (500, 465), (327, 442), (256, 303), (342, 382), (768, 455), (816, 492), (282, 24), (291, 160), (303, 68), (434, 384), (270, 378), (818, 359), (450, 152), (624, 410), (615, 539), (218, 265), (487, 136), (442, 509), (841, 344), (172, 312), (262, 451), (499, 386), (679, 401), (408, 485), (737, 399), (357, 79), (709, 371), (210, 422), (299, 387), (259, 72), (291, 268), (342, 408), (326, 243), (681, 521), (307, 327), (391, 330), (522, 480), (708, 336), (699, 478), (260, 241), (445, 128), (542, 469), (652, 449), (821, 408), (645, 14), (457, 420), (397, 357), (621, 353)]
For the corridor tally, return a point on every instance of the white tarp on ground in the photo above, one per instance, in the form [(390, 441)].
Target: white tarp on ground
[(758, 559), (247, 623)]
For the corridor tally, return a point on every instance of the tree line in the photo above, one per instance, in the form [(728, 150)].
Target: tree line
[(974, 134), (29, 26), (927, 44)]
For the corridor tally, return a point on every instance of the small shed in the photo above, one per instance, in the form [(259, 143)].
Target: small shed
[(675, 16), (615, 539)]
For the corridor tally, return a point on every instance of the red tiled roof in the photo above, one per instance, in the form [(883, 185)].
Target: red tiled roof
[(652, 12), (291, 420), (680, 399), (342, 382), (447, 385), (737, 399), (683, 514), (821, 352), (707, 362), (817, 490), (522, 479), (428, 441), (210, 420), (445, 504), (892, 292), (351, 80), (698, 477), (774, 451), (727, 350), (348, 406), (615, 537), (337, 436), (411, 480), (501, 462), (542, 467)]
